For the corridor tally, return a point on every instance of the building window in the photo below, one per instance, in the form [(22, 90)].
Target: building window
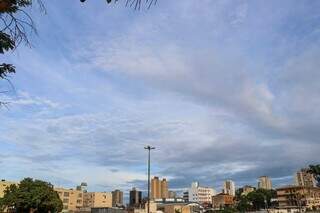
[(66, 194), (65, 200)]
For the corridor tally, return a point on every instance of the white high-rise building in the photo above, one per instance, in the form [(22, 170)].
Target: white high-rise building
[(229, 188), (200, 194), (264, 183)]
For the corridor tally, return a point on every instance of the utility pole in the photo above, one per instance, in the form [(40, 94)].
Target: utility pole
[(149, 148)]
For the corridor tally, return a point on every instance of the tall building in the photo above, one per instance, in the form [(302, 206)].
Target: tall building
[(186, 196), (200, 194), (229, 188), (117, 198), (135, 198), (3, 186), (164, 188), (72, 199), (97, 200), (264, 183), (155, 188), (304, 178), (159, 188)]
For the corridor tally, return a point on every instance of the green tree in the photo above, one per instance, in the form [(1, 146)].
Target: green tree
[(256, 200), (243, 204), (31, 196), (315, 170), (228, 209), (15, 24)]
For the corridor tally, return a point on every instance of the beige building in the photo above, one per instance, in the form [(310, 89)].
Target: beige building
[(72, 199), (300, 197), (221, 201), (200, 194), (117, 198), (264, 183), (159, 188), (247, 190), (229, 187), (304, 178), (164, 188), (97, 200), (3, 186)]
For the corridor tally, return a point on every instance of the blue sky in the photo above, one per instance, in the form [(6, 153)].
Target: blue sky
[(222, 89)]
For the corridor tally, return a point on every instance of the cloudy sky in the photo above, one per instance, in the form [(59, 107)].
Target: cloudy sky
[(222, 89)]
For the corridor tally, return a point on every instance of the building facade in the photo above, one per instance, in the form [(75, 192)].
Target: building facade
[(159, 188), (3, 186), (185, 196), (200, 194), (299, 197), (264, 183), (164, 188), (220, 201), (229, 188), (97, 200), (72, 199), (117, 198), (304, 178), (247, 189), (172, 194), (135, 198)]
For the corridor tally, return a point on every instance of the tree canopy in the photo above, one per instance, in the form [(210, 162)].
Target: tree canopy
[(31, 196), (15, 24), (256, 200)]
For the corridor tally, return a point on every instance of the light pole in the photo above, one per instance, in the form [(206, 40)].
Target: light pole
[(149, 148)]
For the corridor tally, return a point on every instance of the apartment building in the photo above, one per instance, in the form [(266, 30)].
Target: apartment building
[(97, 200), (247, 189), (4, 184), (220, 201), (304, 178), (299, 197), (72, 199), (159, 188), (199, 194), (135, 198), (264, 183), (117, 198), (229, 188)]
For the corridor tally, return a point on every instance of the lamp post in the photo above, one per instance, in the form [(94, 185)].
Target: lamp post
[(149, 148)]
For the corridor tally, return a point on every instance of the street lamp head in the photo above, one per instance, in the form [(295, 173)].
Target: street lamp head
[(149, 147)]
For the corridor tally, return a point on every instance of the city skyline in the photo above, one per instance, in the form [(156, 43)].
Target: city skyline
[(221, 94)]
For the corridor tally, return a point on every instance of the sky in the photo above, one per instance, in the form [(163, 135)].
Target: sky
[(224, 89)]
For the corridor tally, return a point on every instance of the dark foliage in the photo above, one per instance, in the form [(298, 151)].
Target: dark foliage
[(31, 196)]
